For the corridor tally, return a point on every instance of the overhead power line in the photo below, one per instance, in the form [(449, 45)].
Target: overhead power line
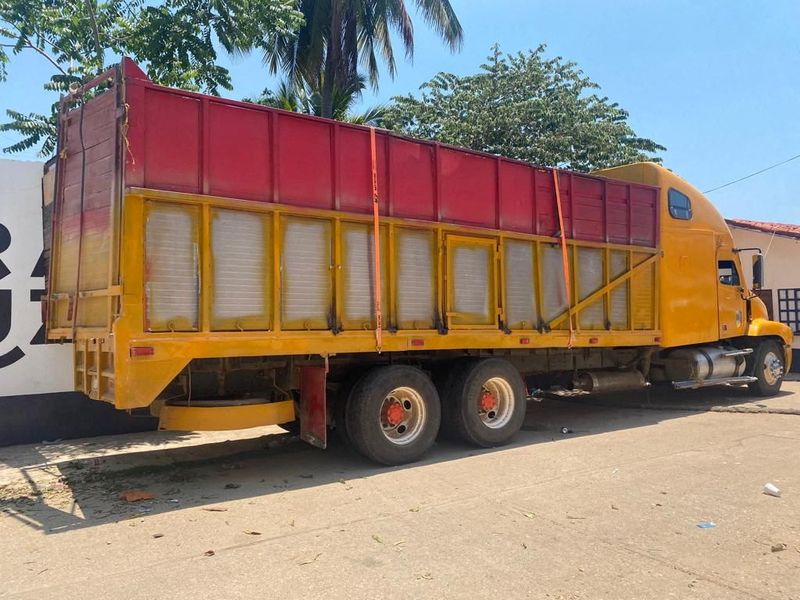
[(783, 162)]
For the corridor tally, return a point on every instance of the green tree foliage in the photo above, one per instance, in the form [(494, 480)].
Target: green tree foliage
[(303, 98), (175, 40), (338, 36), (524, 106)]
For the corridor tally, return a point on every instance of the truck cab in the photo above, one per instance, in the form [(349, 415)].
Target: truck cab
[(704, 299)]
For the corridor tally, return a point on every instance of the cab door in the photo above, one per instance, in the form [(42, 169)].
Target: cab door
[(730, 295)]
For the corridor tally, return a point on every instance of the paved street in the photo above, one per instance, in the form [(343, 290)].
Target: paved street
[(610, 510)]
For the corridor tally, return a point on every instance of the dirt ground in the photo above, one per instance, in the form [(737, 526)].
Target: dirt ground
[(611, 510)]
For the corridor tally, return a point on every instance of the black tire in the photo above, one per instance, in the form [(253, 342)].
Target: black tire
[(339, 420), (762, 366), (448, 383), (340, 406), (396, 384), (462, 409)]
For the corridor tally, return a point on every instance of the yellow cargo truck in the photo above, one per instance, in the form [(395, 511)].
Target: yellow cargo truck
[(226, 265)]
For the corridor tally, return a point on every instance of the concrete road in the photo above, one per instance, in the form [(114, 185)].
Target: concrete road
[(608, 511)]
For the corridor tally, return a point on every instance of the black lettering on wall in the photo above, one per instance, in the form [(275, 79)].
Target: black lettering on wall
[(5, 314), (5, 242), (15, 353), (36, 296)]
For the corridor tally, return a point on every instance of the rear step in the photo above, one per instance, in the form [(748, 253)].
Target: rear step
[(221, 415), (693, 384), (94, 368)]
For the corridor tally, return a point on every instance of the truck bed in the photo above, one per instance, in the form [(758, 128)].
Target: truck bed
[(189, 226)]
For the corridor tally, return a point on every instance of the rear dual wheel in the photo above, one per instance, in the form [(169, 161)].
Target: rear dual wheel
[(483, 402), (392, 415)]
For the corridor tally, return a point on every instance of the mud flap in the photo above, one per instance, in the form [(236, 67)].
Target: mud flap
[(313, 420)]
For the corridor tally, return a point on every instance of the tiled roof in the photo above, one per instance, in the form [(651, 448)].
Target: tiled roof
[(776, 228)]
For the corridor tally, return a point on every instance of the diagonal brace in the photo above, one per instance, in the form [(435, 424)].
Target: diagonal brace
[(593, 297)]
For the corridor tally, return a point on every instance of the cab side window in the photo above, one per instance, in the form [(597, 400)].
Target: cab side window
[(680, 207), (728, 275)]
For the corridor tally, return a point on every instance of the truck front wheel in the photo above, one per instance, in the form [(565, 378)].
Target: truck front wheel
[(393, 415), (767, 368), (485, 402)]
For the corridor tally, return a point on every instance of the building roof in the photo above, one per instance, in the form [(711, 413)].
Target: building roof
[(783, 229)]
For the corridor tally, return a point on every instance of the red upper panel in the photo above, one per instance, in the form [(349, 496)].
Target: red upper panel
[(189, 142)]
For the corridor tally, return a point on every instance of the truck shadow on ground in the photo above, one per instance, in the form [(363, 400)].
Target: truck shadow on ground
[(63, 496)]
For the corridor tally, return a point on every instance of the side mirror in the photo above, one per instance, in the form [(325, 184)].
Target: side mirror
[(758, 271)]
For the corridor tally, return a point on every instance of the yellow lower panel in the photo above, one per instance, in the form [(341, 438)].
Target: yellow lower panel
[(219, 418), (139, 380)]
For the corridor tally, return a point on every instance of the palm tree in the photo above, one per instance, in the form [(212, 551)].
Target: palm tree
[(304, 98), (340, 35)]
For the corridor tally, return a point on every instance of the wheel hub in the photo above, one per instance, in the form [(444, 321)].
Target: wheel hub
[(488, 401), (773, 368), (395, 413), (496, 403), (402, 415)]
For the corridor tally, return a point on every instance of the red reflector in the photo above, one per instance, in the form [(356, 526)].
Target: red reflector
[(594, 340), (142, 351), (524, 340), (657, 339), (417, 342)]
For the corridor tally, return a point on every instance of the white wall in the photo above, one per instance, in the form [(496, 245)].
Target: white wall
[(782, 259), (25, 368)]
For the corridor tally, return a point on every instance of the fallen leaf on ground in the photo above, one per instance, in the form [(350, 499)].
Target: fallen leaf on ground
[(136, 496), (529, 515), (232, 486), (778, 547), (158, 535), (250, 532), (377, 538), (415, 509), (209, 553), (308, 562), (215, 509)]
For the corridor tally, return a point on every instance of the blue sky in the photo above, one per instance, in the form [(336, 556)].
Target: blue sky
[(716, 82)]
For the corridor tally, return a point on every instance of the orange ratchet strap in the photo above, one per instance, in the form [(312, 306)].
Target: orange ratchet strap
[(376, 240), (564, 258)]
